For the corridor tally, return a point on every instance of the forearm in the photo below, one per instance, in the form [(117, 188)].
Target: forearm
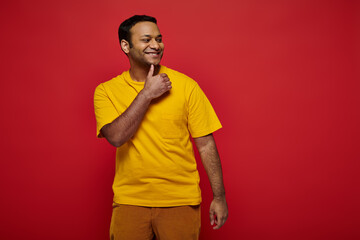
[(218, 211), (124, 127), (212, 164)]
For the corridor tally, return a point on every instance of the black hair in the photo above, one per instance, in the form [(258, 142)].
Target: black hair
[(125, 26)]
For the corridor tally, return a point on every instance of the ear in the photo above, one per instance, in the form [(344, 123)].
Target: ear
[(125, 46)]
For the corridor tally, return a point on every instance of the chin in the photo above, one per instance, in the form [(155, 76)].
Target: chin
[(154, 63)]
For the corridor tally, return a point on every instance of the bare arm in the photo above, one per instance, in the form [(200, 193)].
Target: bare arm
[(124, 127), (211, 161)]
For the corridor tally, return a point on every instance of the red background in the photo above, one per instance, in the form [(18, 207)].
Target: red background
[(283, 77)]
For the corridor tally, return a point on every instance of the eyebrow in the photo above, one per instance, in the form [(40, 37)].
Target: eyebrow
[(147, 35)]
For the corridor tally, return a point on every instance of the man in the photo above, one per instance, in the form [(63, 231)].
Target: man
[(149, 113)]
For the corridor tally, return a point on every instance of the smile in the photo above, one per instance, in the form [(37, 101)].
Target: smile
[(153, 53)]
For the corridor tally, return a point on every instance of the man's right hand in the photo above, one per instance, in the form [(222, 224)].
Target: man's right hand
[(157, 85)]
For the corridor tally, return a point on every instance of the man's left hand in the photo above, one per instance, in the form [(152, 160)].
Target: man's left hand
[(218, 212)]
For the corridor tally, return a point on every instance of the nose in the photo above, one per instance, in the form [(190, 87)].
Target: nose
[(154, 44)]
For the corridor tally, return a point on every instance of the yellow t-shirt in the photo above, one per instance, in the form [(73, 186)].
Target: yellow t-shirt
[(157, 167)]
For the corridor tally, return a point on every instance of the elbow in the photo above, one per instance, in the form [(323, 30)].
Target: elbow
[(113, 139), (115, 143)]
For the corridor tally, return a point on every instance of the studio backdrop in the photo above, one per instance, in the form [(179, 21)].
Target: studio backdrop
[(282, 75)]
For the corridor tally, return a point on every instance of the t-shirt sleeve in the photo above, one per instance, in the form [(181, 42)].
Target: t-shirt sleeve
[(105, 111), (202, 119)]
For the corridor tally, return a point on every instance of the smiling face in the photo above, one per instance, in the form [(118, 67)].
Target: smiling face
[(146, 44)]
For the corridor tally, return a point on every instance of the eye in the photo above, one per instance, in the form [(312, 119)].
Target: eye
[(159, 40), (145, 40)]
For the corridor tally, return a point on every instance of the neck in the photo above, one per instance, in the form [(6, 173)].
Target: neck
[(139, 73)]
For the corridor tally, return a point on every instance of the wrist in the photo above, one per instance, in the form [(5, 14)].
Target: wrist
[(219, 196), (145, 95)]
